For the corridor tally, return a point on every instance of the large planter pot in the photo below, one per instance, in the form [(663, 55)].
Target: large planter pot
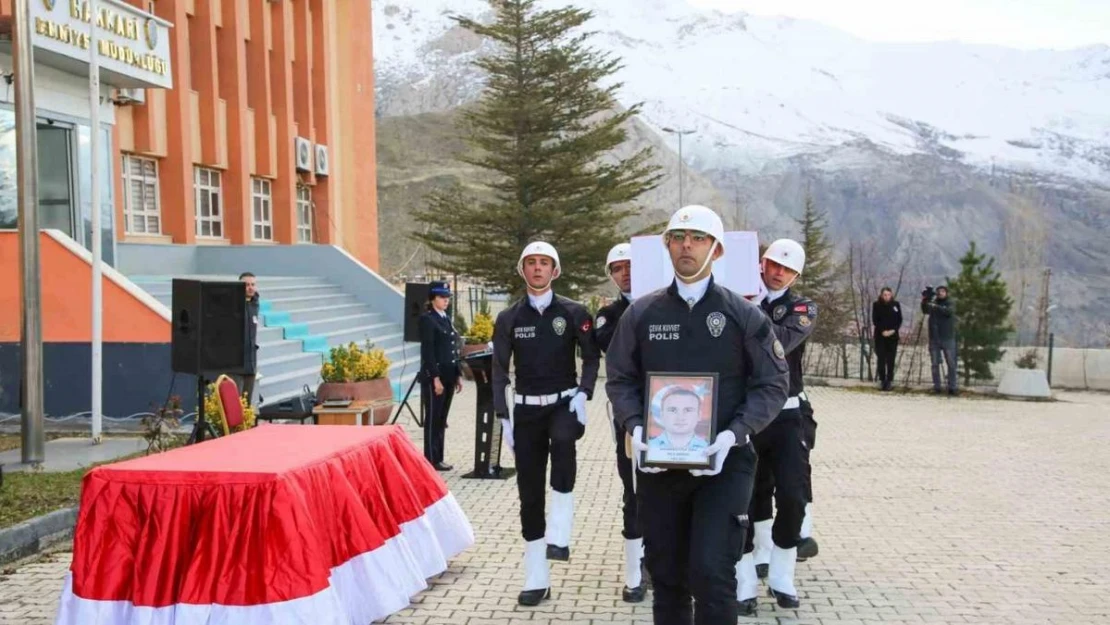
[(368, 390), (379, 391)]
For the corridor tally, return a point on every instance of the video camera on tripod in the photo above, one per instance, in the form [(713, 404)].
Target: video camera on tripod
[(928, 293)]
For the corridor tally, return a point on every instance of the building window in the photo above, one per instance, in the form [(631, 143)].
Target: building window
[(263, 209), (304, 214), (140, 195), (210, 221)]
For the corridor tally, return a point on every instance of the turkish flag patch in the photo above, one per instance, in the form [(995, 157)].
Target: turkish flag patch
[(801, 308), (586, 325)]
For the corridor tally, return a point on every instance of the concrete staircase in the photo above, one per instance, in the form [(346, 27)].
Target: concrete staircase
[(302, 319)]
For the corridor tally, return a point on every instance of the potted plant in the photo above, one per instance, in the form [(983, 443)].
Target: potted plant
[(359, 374), (479, 335)]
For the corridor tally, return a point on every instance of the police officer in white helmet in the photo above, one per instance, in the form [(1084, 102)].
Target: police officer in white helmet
[(618, 266), (783, 447), (694, 521), (541, 334)]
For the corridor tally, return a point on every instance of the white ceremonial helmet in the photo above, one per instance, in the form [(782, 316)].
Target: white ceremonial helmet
[(699, 218), (788, 253), (620, 251), (539, 248)]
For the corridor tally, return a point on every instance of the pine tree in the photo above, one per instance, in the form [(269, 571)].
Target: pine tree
[(545, 130), (982, 312), (819, 279), (820, 266)]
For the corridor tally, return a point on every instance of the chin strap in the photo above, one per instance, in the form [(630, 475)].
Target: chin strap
[(554, 274), (708, 259)]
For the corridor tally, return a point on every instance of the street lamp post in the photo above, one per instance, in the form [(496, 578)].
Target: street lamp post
[(681, 164)]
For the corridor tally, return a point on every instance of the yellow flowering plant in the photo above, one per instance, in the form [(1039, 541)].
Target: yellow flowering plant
[(214, 415), (351, 363), (481, 331)]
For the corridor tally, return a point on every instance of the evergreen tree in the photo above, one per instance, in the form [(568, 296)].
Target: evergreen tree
[(820, 265), (545, 130), (982, 313), (820, 280)]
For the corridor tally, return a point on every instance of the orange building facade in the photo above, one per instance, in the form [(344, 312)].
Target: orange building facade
[(266, 136)]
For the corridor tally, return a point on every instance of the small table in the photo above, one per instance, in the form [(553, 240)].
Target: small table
[(357, 413)]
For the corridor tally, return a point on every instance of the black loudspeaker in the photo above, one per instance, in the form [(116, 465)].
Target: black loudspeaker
[(416, 302), (209, 327)]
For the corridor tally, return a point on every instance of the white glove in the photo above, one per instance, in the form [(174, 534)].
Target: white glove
[(721, 446), (507, 434), (578, 406), (638, 445)]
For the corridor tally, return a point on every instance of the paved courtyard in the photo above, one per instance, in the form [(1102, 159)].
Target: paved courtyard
[(929, 510)]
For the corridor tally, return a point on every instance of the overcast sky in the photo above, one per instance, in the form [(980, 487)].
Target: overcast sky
[(1014, 23)]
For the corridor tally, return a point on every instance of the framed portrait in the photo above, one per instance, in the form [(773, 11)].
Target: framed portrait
[(681, 420)]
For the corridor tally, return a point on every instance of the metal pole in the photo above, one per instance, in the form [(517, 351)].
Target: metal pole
[(27, 166), (97, 242), (1051, 342)]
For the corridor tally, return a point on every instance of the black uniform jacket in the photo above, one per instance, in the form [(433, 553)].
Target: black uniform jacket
[(794, 317), (543, 349), (606, 323), (439, 348), (723, 333)]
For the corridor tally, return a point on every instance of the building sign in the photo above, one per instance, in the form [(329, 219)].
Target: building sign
[(134, 46)]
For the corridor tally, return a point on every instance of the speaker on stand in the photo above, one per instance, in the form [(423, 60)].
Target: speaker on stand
[(416, 302), (209, 334)]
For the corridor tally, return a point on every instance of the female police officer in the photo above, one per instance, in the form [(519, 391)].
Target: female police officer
[(439, 367), (541, 334), (694, 522)]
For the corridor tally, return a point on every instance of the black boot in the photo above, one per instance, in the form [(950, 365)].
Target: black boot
[(533, 597), (748, 607), (807, 549), (558, 553), (784, 600), (634, 595)]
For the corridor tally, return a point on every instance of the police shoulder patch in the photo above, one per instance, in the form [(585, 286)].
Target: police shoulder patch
[(803, 321), (600, 322), (586, 325), (801, 308), (811, 310), (780, 353)]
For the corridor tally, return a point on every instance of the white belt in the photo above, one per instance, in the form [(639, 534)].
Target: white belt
[(543, 400), (795, 401)]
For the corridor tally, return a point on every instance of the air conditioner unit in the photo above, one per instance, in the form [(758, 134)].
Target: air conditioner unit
[(303, 149), (132, 95), (321, 160)]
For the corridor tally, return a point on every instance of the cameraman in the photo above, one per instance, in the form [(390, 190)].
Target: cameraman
[(942, 334)]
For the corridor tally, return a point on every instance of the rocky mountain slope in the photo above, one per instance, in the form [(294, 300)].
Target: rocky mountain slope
[(913, 149)]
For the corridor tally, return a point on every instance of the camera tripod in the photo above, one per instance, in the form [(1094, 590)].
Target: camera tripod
[(913, 355)]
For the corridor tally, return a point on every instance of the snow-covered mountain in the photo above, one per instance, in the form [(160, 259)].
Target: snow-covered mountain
[(756, 89)]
